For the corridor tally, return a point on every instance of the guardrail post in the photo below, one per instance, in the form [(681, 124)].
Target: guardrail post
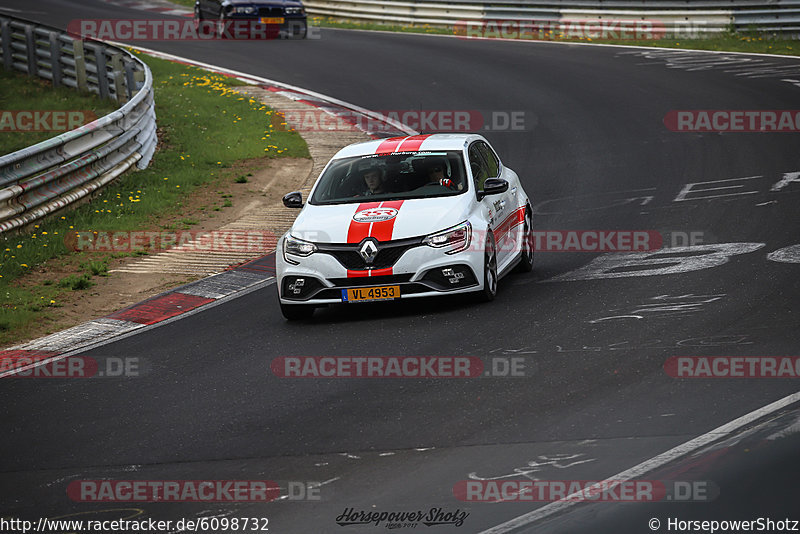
[(30, 41), (130, 80), (102, 75), (118, 76), (55, 58), (80, 65), (41, 179), (5, 42)]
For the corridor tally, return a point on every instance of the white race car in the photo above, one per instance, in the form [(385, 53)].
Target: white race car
[(402, 218)]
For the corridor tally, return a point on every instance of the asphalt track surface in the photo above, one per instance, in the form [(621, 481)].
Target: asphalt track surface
[(595, 399)]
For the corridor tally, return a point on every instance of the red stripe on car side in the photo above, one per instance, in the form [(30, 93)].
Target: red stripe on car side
[(509, 223)]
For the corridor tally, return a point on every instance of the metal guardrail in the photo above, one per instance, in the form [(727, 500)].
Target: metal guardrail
[(678, 17), (43, 178)]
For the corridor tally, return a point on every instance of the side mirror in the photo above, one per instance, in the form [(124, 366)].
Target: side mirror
[(493, 186), (295, 199)]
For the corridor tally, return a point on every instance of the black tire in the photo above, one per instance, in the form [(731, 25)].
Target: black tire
[(298, 31), (489, 290), (219, 26), (297, 312), (525, 264), (197, 19)]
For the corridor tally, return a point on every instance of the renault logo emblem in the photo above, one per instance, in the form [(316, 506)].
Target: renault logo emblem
[(368, 251)]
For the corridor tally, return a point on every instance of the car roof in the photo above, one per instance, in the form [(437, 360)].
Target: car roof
[(412, 143)]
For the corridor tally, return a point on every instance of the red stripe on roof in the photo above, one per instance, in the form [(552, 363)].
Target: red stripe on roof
[(412, 144), (389, 145)]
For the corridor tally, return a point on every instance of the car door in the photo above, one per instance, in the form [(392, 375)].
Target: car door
[(501, 206)]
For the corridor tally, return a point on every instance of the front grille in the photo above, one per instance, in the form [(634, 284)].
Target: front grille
[(388, 253), (270, 12)]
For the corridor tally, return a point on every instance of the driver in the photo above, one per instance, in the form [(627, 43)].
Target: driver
[(374, 181)]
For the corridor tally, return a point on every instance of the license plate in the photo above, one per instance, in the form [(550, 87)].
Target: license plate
[(363, 294), (271, 20)]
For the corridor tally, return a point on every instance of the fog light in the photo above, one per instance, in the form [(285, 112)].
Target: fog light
[(452, 276), (297, 287)]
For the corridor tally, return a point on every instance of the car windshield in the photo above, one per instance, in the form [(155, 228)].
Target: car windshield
[(391, 176)]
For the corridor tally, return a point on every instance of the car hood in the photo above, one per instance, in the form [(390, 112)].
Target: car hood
[(343, 223)]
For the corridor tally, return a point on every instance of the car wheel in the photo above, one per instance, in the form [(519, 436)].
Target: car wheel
[(298, 31), (525, 264), (197, 19), (220, 26), (297, 312), (489, 269)]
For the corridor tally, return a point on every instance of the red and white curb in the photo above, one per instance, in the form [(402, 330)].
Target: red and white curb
[(164, 307), (165, 8)]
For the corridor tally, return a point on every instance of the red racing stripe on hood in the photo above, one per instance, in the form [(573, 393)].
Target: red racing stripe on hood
[(382, 231), (360, 230)]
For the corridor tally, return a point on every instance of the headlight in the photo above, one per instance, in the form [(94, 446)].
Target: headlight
[(297, 247), (458, 237), (246, 10), (294, 10)]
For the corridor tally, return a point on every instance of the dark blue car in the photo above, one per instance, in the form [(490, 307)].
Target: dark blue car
[(284, 18)]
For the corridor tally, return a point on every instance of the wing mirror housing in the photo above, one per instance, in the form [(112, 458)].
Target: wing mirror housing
[(295, 199), (493, 186)]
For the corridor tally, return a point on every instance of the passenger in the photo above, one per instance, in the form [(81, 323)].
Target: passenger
[(437, 174)]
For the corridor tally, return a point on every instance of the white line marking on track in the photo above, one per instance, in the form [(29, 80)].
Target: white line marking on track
[(648, 465)]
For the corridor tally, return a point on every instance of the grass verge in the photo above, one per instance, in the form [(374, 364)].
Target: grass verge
[(204, 125), (18, 92)]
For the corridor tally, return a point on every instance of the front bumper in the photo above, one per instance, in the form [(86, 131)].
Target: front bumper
[(421, 271)]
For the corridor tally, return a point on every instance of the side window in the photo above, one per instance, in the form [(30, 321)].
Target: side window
[(493, 164), (478, 166)]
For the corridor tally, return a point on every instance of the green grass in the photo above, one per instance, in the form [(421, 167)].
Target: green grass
[(21, 93), (204, 127)]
